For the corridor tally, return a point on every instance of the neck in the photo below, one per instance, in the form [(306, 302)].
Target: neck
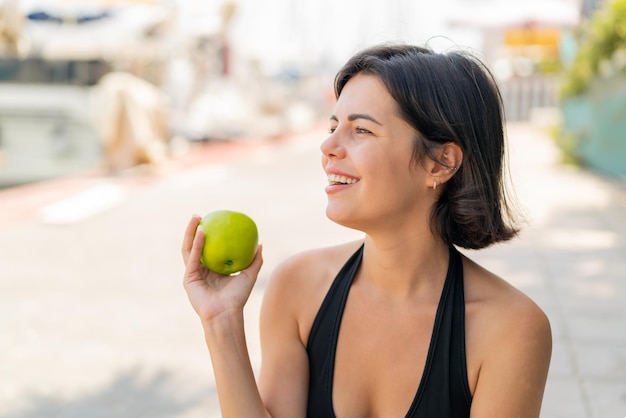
[(405, 266)]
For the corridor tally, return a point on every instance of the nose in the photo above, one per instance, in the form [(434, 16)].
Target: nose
[(332, 146)]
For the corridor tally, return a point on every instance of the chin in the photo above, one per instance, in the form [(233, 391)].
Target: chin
[(344, 218)]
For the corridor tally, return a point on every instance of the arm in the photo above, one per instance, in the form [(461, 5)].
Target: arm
[(512, 379), (284, 371), (236, 386), (219, 300)]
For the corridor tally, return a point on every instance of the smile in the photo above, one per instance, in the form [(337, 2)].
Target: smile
[(335, 179)]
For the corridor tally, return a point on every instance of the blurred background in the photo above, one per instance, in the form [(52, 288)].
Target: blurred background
[(212, 70), (121, 118)]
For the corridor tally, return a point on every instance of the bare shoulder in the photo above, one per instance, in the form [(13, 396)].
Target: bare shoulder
[(508, 340), (497, 305), (298, 285), (313, 261), (295, 291)]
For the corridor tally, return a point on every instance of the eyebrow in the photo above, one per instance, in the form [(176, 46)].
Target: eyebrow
[(356, 116)]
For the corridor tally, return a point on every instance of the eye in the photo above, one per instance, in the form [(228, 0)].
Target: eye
[(331, 129), (360, 130)]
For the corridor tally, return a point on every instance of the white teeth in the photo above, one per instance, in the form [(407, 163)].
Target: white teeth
[(333, 178)]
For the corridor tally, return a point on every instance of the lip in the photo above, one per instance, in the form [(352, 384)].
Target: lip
[(331, 170), (334, 188)]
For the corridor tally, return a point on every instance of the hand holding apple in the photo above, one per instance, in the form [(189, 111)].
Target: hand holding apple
[(229, 245)]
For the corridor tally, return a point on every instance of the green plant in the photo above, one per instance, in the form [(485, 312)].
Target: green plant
[(602, 48)]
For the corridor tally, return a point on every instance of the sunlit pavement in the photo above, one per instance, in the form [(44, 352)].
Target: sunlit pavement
[(571, 259), (94, 321)]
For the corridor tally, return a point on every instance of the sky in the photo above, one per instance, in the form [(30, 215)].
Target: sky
[(277, 31), (336, 27), (333, 30)]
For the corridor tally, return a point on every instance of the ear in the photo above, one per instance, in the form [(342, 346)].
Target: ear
[(449, 158)]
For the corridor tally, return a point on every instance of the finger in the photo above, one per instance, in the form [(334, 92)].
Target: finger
[(254, 268), (193, 261), (190, 232)]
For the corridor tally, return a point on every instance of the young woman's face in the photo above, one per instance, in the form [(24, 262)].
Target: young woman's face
[(367, 157)]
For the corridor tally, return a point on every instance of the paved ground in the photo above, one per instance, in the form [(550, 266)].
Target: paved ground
[(94, 321)]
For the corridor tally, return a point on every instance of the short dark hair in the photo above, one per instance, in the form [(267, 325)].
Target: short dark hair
[(449, 97)]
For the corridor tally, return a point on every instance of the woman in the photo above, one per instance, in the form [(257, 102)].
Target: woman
[(399, 324)]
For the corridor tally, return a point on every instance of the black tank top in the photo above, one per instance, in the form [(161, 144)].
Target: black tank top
[(443, 391)]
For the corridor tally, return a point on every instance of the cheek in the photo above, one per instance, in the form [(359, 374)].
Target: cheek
[(392, 168), (396, 178)]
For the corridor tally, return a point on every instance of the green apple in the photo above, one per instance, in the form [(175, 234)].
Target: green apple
[(230, 241)]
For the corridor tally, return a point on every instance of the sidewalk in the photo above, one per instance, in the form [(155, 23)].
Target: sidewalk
[(25, 202), (94, 321), (572, 260)]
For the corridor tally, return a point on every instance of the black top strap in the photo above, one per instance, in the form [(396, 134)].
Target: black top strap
[(443, 391)]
